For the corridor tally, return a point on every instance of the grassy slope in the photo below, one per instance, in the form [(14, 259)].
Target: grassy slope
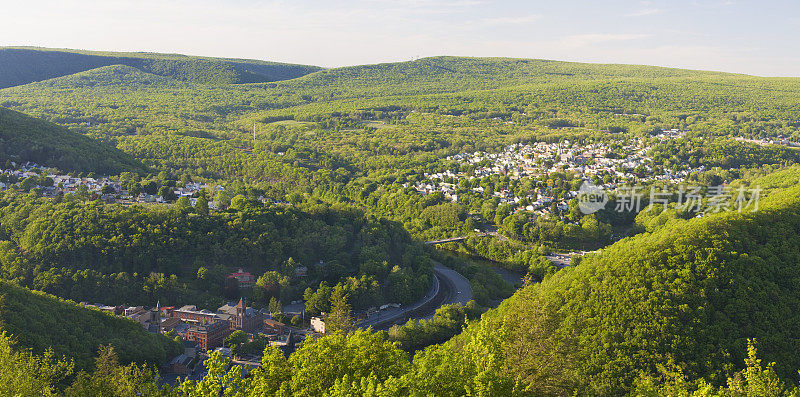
[(40, 321), (29, 139), (22, 65)]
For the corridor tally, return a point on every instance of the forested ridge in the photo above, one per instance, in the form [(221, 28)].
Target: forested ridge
[(24, 138), (138, 254), (22, 65)]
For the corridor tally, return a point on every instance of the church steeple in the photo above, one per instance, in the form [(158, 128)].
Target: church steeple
[(155, 316), (240, 307)]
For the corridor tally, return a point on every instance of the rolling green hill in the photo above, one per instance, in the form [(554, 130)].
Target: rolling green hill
[(108, 76), (24, 138), (22, 65), (436, 107), (39, 321), (453, 74)]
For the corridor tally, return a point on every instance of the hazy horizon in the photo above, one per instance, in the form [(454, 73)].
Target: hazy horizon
[(373, 63), (715, 35)]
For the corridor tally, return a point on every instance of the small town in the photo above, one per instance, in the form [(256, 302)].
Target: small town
[(627, 162), (30, 175), (203, 331), (234, 324)]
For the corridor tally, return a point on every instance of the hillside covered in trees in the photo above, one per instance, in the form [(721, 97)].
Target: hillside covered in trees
[(137, 255), (41, 322), (23, 65), (24, 138), (361, 120), (679, 302)]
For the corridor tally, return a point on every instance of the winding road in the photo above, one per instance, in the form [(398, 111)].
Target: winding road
[(457, 285), (448, 287)]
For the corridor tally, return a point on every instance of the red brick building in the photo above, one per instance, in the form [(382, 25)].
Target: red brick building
[(208, 336), (241, 317)]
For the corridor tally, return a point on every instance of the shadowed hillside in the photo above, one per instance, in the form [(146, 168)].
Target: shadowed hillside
[(24, 138), (40, 321), (25, 65)]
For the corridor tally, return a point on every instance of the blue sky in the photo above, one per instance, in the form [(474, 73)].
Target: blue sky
[(753, 37)]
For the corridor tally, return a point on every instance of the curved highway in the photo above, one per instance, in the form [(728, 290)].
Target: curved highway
[(459, 289), (448, 287)]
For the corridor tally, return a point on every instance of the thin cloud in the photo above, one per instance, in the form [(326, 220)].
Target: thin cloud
[(712, 4), (520, 20), (434, 4), (645, 12), (582, 40)]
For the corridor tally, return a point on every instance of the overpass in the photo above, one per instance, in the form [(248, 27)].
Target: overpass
[(560, 260), (452, 239)]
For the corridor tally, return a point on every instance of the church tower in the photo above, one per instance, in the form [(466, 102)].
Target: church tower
[(240, 307), (155, 316), (240, 313)]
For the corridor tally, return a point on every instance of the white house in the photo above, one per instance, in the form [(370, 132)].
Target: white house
[(318, 325)]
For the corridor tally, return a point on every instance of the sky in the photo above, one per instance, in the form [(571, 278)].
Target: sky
[(752, 37)]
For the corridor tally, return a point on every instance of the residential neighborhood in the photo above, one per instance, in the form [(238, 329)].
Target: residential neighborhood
[(615, 163), (53, 183)]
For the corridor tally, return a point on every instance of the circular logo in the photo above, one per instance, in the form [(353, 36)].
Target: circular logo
[(591, 198)]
